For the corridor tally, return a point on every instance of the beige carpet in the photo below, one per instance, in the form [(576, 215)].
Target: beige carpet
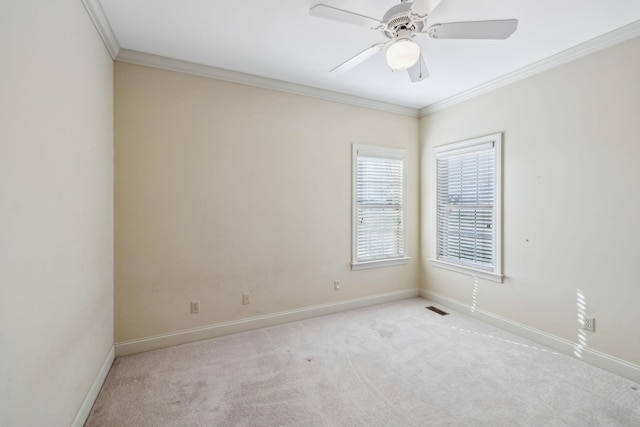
[(394, 364)]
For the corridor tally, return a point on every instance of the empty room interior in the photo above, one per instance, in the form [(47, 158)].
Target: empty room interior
[(238, 213)]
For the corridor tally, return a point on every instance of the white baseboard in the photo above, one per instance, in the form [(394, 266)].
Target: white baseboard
[(232, 327), (92, 395), (593, 357)]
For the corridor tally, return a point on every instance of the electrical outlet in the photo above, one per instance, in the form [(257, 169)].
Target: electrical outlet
[(245, 298), (589, 324), (336, 285), (195, 307)]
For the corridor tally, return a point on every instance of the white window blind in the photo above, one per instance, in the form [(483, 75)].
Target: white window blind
[(467, 199), (379, 207)]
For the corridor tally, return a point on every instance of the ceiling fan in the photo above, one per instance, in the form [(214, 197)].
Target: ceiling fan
[(401, 24)]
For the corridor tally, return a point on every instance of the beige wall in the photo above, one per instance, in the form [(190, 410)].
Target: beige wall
[(223, 188), (56, 207), (571, 199)]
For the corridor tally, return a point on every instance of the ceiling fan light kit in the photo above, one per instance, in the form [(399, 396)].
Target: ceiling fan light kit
[(403, 54), (401, 23)]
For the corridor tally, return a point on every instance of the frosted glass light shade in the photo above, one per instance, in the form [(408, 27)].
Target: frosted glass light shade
[(403, 54)]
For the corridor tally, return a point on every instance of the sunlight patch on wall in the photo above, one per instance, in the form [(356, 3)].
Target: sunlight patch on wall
[(581, 309), (474, 295)]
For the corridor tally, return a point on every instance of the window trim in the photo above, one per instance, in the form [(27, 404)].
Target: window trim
[(379, 151), (496, 275)]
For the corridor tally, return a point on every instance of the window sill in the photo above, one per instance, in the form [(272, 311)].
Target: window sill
[(468, 271), (379, 263)]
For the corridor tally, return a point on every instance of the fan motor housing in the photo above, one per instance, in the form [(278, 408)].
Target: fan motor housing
[(397, 18)]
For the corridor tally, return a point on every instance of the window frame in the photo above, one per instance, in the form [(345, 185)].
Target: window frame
[(382, 152), (495, 274)]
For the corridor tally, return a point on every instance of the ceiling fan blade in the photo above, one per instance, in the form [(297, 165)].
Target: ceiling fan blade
[(489, 30), (421, 8), (335, 14), (419, 71), (359, 58)]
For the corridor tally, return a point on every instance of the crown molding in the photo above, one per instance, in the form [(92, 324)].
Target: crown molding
[(99, 18), (170, 64), (96, 12), (622, 34)]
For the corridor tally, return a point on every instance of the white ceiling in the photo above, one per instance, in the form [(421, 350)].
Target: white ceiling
[(278, 39)]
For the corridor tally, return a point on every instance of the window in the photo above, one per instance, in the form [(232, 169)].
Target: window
[(378, 207), (468, 207)]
